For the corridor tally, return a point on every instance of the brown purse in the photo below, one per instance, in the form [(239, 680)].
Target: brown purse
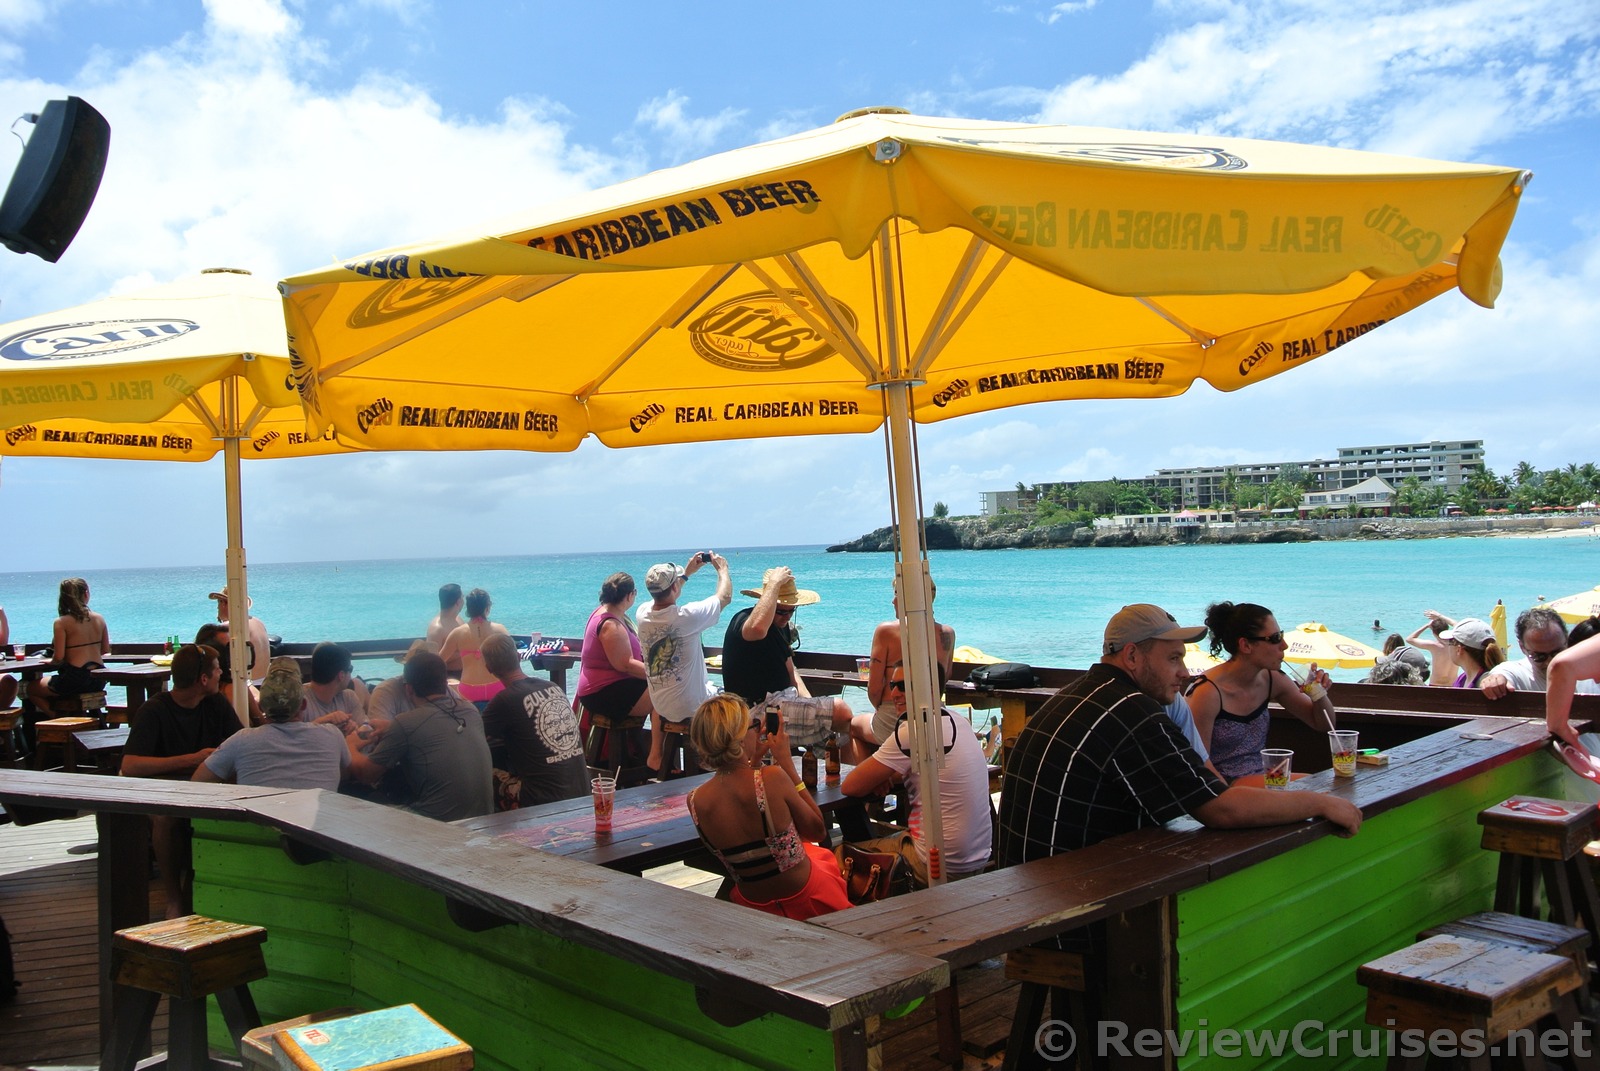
[(868, 876)]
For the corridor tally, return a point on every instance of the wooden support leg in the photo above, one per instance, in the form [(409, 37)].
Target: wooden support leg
[(947, 1015), (129, 1035), (122, 879), (186, 1033), (1025, 1023), (239, 1012)]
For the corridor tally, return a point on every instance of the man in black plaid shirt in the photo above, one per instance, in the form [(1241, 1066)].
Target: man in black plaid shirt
[(1102, 758)]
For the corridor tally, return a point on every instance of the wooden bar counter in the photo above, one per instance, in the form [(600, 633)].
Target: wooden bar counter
[(542, 961)]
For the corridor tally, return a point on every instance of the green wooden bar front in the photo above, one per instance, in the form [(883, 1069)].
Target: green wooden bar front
[(1277, 944), (340, 933)]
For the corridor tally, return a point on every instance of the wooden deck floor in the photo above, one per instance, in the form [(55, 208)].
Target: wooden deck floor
[(47, 898)]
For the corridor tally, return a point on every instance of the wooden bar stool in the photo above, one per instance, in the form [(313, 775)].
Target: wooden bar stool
[(613, 741), (405, 1038), (1459, 984), (186, 959), (1063, 978), (1530, 935), (56, 734), (10, 725), (677, 757), (1544, 838)]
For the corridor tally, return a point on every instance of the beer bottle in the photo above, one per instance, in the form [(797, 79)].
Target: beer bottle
[(831, 757), (808, 768)]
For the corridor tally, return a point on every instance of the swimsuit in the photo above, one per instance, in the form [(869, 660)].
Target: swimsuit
[(1237, 740), (757, 860)]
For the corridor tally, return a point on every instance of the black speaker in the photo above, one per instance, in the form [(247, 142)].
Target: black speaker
[(56, 180)]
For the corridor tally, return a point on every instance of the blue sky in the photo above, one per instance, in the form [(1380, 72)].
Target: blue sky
[(277, 136)]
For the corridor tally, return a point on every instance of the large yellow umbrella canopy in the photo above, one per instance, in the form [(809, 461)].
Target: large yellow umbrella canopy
[(176, 372), (1578, 607), (886, 270), (743, 295), (1315, 642)]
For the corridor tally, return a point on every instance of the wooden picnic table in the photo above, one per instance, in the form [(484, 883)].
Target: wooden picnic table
[(650, 825), (141, 681)]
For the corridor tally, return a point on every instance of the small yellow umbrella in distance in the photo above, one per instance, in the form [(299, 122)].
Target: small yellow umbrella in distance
[(1578, 607), (1497, 622), (1314, 642)]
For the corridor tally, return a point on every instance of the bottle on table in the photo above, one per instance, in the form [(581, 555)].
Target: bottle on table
[(831, 757), (808, 768)]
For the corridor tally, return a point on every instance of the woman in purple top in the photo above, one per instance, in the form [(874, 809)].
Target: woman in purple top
[(611, 671), (1230, 701)]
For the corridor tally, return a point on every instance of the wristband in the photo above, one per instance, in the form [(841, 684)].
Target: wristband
[(800, 786)]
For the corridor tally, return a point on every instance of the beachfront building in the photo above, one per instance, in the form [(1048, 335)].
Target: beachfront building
[(1436, 463), (1150, 522), (1374, 495), (991, 503)]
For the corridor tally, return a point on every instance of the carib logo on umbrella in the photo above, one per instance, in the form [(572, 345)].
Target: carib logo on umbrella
[(760, 332), (98, 338)]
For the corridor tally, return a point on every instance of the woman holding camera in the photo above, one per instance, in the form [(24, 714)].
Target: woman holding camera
[(760, 821)]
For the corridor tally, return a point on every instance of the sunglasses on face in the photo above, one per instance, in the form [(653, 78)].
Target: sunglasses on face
[(897, 686), (1275, 638), (783, 611), (1541, 656)]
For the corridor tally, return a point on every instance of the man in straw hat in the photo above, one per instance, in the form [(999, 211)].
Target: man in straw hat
[(255, 634), (758, 660)]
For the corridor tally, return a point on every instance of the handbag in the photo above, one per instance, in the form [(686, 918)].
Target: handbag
[(868, 876), (987, 678)]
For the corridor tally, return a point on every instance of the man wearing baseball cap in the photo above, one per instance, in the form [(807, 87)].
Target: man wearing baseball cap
[(1101, 757), (669, 635)]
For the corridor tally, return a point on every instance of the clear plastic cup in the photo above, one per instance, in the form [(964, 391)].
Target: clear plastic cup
[(19, 651), (863, 668), (1342, 743), (604, 791), (1276, 766)]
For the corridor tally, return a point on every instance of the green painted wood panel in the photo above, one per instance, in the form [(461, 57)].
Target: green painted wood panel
[(339, 933), (1278, 944)]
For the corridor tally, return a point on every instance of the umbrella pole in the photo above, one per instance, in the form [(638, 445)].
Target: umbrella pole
[(238, 594), (911, 568)]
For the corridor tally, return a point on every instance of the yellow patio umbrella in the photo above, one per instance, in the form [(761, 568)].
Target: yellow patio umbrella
[(1315, 642), (172, 373), (887, 270), (1578, 607), (1497, 623)]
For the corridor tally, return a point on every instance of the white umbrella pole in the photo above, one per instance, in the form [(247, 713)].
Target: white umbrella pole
[(916, 622), (238, 593)]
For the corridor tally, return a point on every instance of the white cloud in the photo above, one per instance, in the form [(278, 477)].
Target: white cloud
[(1070, 8), (690, 135), (1447, 77)]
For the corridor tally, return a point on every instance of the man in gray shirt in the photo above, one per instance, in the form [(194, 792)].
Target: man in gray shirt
[(286, 752), (438, 744)]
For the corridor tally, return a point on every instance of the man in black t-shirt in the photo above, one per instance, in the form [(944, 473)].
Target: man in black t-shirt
[(534, 723), (758, 661), (169, 736)]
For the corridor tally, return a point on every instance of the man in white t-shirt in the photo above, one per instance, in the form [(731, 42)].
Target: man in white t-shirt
[(964, 807), (1542, 635), (669, 635)]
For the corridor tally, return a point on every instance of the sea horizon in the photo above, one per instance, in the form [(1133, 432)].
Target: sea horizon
[(1042, 606)]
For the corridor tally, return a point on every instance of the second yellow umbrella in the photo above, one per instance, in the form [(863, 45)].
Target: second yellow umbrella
[(1314, 642)]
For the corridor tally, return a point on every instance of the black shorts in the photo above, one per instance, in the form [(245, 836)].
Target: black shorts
[(615, 700)]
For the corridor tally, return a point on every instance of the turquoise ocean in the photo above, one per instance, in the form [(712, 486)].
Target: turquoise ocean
[(1045, 607)]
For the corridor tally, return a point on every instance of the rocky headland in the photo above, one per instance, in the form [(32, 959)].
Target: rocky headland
[(1013, 532)]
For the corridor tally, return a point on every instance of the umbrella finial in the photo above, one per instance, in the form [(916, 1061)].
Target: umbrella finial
[(875, 109)]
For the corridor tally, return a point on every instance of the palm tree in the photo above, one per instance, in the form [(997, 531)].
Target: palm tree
[(1523, 473)]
